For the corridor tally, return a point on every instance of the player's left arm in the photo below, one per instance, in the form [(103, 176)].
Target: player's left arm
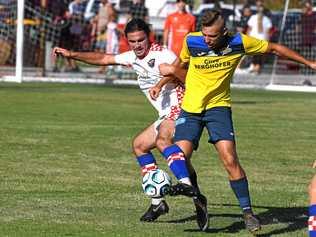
[(286, 52), (178, 69), (170, 72)]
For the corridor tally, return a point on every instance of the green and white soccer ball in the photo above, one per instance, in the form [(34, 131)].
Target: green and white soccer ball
[(156, 183)]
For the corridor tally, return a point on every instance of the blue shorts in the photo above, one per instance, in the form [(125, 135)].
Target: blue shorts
[(217, 120)]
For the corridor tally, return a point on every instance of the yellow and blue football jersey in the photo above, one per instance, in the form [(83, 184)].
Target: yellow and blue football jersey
[(209, 73)]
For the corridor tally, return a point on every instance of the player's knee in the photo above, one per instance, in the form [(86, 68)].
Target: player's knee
[(162, 143), (231, 163), (138, 146)]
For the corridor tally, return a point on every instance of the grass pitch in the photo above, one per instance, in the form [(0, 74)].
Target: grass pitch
[(66, 166)]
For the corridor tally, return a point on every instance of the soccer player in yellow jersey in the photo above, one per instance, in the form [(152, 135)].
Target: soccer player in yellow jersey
[(210, 58)]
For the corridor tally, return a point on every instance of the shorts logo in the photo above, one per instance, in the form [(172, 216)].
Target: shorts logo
[(180, 121)]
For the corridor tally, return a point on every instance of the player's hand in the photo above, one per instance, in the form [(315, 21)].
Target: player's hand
[(313, 65), (166, 69), (154, 92), (60, 51), (314, 164)]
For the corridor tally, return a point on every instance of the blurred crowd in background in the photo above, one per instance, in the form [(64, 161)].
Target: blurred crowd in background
[(98, 25)]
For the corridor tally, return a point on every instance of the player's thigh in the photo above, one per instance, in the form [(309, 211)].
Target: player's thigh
[(219, 124), (188, 130), (227, 151), (166, 130), (145, 140)]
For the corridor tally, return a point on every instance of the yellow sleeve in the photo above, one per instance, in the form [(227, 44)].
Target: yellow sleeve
[(253, 45), (185, 53)]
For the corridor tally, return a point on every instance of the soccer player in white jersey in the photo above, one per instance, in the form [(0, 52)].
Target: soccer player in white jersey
[(145, 58)]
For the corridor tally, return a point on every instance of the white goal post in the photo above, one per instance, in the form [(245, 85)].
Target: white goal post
[(19, 43)]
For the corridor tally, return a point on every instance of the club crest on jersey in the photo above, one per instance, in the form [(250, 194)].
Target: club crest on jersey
[(151, 62)]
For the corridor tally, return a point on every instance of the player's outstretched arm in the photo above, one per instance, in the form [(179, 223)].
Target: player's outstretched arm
[(286, 52), (95, 58)]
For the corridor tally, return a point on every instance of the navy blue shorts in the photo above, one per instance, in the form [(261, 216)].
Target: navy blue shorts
[(217, 120)]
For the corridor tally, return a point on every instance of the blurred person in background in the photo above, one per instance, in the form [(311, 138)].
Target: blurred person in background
[(104, 29), (75, 15), (112, 38), (242, 24), (63, 22), (112, 35), (101, 20), (242, 27), (259, 26), (177, 26), (266, 11), (307, 32), (137, 9)]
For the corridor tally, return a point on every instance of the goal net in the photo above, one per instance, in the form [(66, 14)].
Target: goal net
[(296, 31), (29, 52), (44, 27)]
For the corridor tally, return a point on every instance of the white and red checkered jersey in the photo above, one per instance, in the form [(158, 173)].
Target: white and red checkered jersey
[(147, 70)]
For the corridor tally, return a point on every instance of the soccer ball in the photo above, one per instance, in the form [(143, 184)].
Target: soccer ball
[(156, 183)]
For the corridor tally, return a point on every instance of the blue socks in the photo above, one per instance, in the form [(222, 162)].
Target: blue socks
[(176, 161), (147, 162), (312, 221), (240, 188)]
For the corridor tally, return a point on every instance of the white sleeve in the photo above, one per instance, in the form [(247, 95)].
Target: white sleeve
[(268, 23), (169, 56), (88, 13), (250, 21), (70, 8), (126, 58)]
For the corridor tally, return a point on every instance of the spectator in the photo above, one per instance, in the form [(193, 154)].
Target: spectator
[(307, 32), (266, 11), (177, 26), (112, 34), (103, 17), (138, 10), (112, 37), (65, 40), (100, 44), (75, 13), (76, 8), (242, 25), (259, 26)]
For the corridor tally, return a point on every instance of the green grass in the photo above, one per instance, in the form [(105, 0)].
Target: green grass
[(66, 166)]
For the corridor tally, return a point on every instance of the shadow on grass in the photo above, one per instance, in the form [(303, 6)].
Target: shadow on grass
[(294, 217)]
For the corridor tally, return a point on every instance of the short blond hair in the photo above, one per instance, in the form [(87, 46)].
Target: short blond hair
[(210, 17)]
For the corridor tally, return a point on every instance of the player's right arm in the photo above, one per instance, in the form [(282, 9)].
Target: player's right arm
[(180, 67), (170, 72), (177, 69), (95, 58)]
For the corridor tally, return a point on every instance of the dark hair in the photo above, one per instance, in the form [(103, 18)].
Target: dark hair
[(210, 17), (137, 24)]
